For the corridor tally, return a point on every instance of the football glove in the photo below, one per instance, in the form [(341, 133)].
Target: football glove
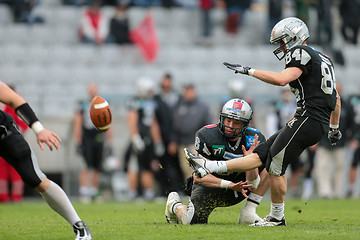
[(137, 144), (238, 68), (334, 135), (159, 149)]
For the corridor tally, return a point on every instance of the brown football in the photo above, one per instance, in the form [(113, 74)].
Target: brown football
[(100, 113)]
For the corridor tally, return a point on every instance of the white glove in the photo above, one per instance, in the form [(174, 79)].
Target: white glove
[(137, 143), (159, 149)]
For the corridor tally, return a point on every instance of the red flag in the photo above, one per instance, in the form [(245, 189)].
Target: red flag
[(144, 36)]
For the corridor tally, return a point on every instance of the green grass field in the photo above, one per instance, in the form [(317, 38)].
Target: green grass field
[(314, 219)]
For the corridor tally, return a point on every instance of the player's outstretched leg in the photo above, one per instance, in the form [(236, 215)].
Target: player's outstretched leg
[(196, 163), (82, 231), (270, 221), (170, 216)]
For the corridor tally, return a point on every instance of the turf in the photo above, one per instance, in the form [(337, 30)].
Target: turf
[(314, 219)]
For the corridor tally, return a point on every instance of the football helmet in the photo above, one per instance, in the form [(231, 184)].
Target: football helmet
[(289, 32), (145, 87), (237, 109), (236, 87)]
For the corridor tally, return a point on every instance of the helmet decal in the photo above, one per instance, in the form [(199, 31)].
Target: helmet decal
[(237, 105)]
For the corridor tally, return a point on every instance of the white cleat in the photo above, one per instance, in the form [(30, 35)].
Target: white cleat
[(169, 215), (248, 217), (197, 163), (82, 231), (269, 221)]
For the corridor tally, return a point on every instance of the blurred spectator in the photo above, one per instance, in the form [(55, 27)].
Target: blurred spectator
[(169, 3), (77, 2), (8, 175), (166, 100), (94, 26), (235, 10), (283, 110), (354, 144), (206, 23), (308, 183), (275, 14), (350, 15), (324, 29), (90, 144), (22, 11), (119, 26), (190, 115), (331, 159), (302, 10), (146, 144)]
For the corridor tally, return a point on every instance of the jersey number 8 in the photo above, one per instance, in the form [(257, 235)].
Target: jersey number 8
[(328, 78)]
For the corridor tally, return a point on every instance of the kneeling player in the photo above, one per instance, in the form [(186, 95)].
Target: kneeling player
[(228, 139)]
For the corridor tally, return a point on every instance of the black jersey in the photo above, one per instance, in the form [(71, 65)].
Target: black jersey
[(315, 89), (146, 111), (212, 144)]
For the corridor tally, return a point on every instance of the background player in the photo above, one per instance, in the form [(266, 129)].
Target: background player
[(311, 77), (231, 137), (16, 151)]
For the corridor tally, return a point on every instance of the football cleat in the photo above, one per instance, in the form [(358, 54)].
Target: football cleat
[(248, 217), (82, 231), (197, 163), (170, 216), (269, 221)]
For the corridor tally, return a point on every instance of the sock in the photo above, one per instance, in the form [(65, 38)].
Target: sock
[(175, 206), (216, 166), (277, 210), (84, 191), (254, 198), (57, 199), (93, 191), (149, 194)]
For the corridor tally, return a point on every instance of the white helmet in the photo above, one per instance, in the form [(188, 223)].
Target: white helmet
[(237, 109), (289, 32), (145, 87), (236, 87)]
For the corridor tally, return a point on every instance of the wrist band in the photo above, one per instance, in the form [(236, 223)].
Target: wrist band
[(334, 126), (224, 183), (251, 72), (26, 114), (37, 127)]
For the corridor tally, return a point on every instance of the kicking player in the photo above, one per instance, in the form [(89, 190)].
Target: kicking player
[(311, 77), (230, 138), (16, 151)]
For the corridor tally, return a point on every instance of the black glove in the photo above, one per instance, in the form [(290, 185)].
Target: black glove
[(334, 135), (238, 68)]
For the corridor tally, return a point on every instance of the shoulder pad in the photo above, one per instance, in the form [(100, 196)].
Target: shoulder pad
[(253, 129)]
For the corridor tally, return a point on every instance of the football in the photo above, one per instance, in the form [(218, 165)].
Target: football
[(100, 113)]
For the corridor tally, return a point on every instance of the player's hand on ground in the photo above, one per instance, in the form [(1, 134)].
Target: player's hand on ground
[(240, 187), (238, 68), (256, 142), (49, 138)]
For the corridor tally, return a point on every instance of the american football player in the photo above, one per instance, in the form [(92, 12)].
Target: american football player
[(230, 138), (311, 77), (17, 152)]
